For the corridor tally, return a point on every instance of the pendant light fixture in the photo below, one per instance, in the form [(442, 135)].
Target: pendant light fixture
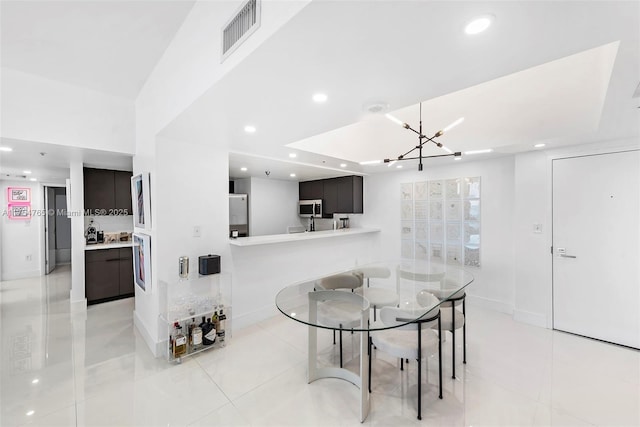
[(423, 139)]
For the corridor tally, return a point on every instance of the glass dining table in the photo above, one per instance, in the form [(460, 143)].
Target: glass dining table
[(333, 302)]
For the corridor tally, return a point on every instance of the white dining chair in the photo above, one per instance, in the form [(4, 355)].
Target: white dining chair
[(408, 338), (378, 297), (336, 314)]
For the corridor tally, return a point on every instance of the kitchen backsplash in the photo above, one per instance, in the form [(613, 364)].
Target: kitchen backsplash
[(110, 224)]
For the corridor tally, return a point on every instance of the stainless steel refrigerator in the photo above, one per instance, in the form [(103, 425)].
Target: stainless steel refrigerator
[(238, 215)]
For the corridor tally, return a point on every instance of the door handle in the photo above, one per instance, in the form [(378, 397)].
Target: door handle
[(567, 256)]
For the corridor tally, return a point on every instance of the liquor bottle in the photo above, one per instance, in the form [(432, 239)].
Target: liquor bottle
[(222, 320), (215, 321), (196, 337), (208, 333), (190, 325), (179, 342)]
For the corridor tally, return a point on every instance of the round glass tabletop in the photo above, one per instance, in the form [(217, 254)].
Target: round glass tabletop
[(342, 300)]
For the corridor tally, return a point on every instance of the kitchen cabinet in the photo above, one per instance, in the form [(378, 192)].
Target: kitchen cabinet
[(108, 274), (311, 190), (107, 192), (342, 195)]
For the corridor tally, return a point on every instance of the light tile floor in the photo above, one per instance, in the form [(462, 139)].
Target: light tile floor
[(94, 369)]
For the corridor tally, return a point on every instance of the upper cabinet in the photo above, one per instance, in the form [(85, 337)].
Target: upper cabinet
[(107, 192), (311, 190), (339, 195)]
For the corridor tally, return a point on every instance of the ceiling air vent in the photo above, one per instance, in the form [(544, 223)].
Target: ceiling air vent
[(244, 23)]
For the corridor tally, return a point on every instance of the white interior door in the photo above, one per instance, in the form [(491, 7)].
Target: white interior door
[(50, 229), (596, 257)]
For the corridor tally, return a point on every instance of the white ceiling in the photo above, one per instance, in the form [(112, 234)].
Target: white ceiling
[(563, 72), (49, 163), (108, 46)]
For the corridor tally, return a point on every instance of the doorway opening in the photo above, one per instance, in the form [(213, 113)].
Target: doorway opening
[(57, 229)]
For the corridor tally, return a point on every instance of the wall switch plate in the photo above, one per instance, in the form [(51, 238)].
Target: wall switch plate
[(537, 228), (27, 258), (196, 231)]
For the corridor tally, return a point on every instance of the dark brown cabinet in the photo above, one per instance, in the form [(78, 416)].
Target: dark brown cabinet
[(311, 190), (339, 195), (108, 274), (107, 192)]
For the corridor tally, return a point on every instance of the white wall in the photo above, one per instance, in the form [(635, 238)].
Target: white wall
[(273, 206), (21, 238), (493, 284), (38, 109), (533, 182), (76, 178)]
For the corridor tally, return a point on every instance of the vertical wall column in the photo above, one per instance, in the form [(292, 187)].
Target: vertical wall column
[(78, 300)]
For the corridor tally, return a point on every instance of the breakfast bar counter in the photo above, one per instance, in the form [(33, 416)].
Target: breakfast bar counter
[(296, 237)]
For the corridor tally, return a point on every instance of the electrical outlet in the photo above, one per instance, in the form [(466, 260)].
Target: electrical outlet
[(537, 228), (27, 258), (196, 231)]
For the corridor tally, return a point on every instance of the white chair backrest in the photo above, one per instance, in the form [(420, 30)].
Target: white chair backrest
[(340, 281)]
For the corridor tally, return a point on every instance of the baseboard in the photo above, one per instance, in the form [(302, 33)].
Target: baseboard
[(21, 275), (245, 320), (155, 347), (78, 306), (490, 304), (530, 318)]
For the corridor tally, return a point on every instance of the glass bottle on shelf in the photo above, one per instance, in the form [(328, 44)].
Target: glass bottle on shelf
[(179, 342), (222, 320), (196, 337), (214, 320), (208, 333)]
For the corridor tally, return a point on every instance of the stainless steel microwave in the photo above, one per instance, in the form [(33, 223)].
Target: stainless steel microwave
[(310, 208)]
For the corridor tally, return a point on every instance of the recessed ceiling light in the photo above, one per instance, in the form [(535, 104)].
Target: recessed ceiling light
[(320, 97), (458, 158), (539, 145), (399, 166), (479, 24), (488, 150), (292, 175), (31, 412), (35, 381), (343, 165), (26, 172), (6, 149), (250, 129), (293, 155), (32, 179), (371, 162), (243, 169)]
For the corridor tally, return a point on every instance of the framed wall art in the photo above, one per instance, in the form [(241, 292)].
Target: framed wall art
[(18, 195), (142, 261), (19, 211), (141, 201)]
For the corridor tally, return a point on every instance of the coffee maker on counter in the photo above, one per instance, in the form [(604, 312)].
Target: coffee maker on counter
[(92, 233)]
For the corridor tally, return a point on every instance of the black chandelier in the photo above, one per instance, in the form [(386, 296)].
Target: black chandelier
[(423, 139)]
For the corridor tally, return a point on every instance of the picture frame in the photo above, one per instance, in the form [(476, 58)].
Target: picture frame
[(141, 201), (19, 211), (142, 261), (18, 195)]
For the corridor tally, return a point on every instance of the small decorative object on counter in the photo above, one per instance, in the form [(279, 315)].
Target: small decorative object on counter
[(183, 267), (208, 264)]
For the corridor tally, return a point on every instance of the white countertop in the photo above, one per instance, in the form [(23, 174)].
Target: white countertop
[(116, 245), (296, 237)]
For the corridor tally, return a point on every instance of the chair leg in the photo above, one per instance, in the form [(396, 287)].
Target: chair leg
[(374, 313), (453, 340), (401, 364), (464, 332), (370, 356), (340, 345), (419, 371), (334, 337), (440, 355)]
